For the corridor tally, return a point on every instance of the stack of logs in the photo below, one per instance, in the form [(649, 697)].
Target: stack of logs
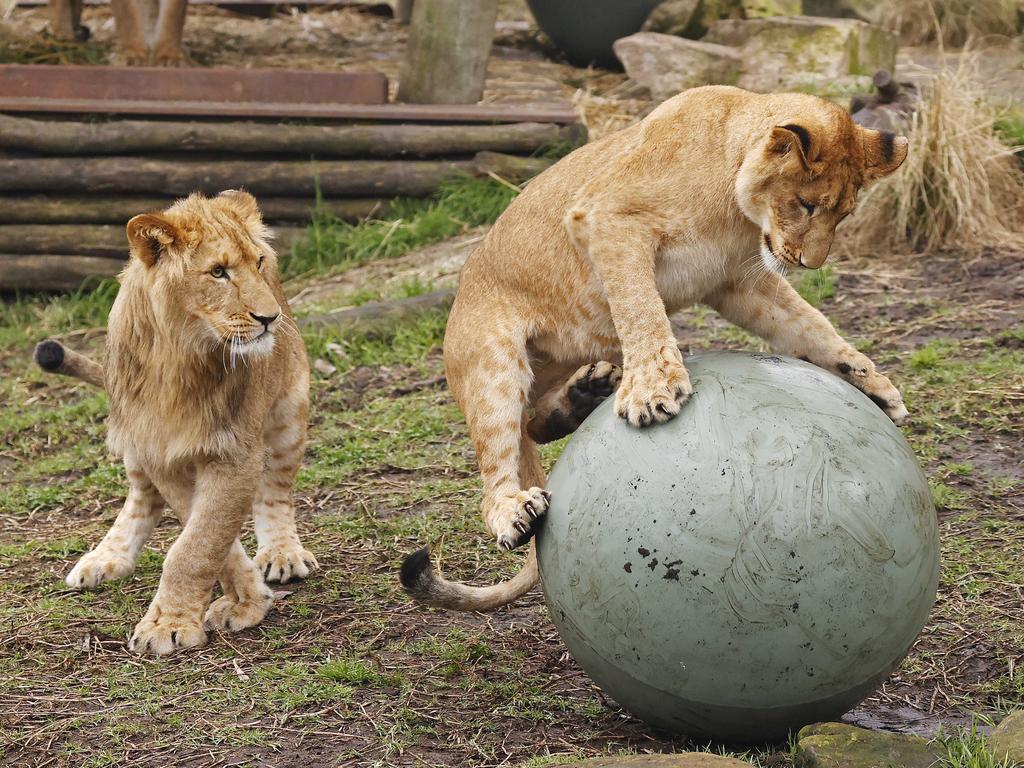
[(68, 186)]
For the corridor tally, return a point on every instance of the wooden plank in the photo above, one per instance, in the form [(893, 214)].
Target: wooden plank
[(123, 137), (111, 209), (500, 112), (163, 85)]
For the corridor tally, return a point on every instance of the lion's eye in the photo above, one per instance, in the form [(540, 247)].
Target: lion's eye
[(219, 271), (259, 264), (807, 206)]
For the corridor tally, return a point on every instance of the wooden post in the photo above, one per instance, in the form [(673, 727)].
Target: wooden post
[(403, 11), (446, 57)]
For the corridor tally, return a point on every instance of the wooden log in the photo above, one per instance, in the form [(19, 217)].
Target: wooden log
[(338, 177), (446, 56), (105, 209), (104, 240), (380, 316), (53, 273), (125, 137), (134, 174)]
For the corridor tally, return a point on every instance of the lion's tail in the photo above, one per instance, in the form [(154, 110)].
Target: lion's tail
[(54, 357), (427, 586)]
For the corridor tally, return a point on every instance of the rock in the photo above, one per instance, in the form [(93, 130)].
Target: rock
[(323, 367), (710, 11), (827, 745), (681, 760), (824, 55), (757, 9), (666, 64), (671, 17), (1007, 739)]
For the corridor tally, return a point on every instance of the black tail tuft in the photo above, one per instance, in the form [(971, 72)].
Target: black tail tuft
[(49, 355), (415, 571)]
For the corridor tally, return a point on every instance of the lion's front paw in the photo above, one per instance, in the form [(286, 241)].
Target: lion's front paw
[(163, 632), (512, 519), (170, 56), (860, 371), (99, 565), (655, 392), (131, 56), (231, 614), (285, 560)]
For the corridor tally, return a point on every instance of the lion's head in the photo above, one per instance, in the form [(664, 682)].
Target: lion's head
[(205, 265), (803, 179)]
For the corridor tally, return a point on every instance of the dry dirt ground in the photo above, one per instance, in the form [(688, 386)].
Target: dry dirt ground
[(345, 671)]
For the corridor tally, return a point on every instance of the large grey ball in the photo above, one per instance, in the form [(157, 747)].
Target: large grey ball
[(762, 561)]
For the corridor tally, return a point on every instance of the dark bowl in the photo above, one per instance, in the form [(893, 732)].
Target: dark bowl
[(585, 29)]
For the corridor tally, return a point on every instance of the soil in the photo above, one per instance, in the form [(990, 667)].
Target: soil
[(897, 304)]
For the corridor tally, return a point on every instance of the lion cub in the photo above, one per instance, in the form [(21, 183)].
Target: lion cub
[(709, 199), (209, 392)]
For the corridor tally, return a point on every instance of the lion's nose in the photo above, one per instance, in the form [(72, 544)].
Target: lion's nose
[(265, 319)]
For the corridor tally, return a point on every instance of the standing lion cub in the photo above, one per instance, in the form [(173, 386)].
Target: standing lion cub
[(209, 390), (709, 199)]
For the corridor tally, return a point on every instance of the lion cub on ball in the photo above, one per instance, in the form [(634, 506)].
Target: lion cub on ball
[(709, 199), (209, 391)]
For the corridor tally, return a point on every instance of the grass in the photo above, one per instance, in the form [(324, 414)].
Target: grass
[(954, 22), (344, 670), (43, 49), (817, 285), (960, 184), (460, 204)]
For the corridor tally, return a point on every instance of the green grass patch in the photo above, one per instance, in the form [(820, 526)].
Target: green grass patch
[(43, 49), (817, 285), (459, 204)]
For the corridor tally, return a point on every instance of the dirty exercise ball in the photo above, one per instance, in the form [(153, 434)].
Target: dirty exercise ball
[(760, 562)]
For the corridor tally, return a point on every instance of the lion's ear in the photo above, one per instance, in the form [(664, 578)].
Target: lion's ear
[(150, 235), (244, 206), (791, 140), (884, 152)]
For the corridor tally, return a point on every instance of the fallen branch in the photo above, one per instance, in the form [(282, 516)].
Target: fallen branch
[(380, 316)]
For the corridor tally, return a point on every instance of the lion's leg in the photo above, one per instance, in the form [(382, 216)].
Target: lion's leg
[(131, 38), (622, 248), (490, 376), (170, 25), (115, 556), (770, 307), (280, 555), (561, 410), (62, 21), (221, 501), (246, 598)]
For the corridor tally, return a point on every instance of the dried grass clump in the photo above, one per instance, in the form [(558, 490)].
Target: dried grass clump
[(960, 187), (956, 21), (609, 112)]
